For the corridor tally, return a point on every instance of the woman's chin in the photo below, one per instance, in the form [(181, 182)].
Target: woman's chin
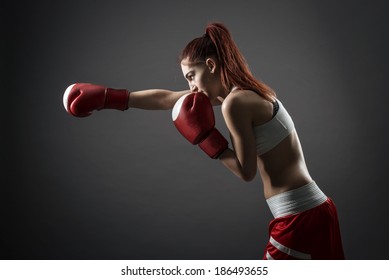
[(207, 94)]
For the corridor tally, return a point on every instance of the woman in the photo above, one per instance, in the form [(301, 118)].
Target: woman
[(263, 137)]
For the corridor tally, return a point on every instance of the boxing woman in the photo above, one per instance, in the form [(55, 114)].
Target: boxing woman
[(262, 137)]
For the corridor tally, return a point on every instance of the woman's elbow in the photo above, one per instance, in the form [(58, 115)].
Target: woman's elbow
[(248, 176)]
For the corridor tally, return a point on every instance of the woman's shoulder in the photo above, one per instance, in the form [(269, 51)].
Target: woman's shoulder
[(235, 101), (245, 98), (239, 97), (248, 102)]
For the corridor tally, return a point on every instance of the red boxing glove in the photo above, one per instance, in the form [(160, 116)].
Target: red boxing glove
[(193, 117), (81, 99)]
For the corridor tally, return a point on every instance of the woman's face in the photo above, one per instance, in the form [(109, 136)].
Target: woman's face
[(202, 77)]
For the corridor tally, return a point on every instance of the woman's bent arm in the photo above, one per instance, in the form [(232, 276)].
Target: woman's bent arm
[(242, 160), (155, 99)]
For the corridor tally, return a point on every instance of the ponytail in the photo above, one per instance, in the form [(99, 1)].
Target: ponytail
[(217, 41)]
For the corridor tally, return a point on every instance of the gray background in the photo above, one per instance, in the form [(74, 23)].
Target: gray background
[(126, 185)]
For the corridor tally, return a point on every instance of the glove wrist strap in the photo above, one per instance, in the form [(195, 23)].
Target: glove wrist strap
[(215, 144), (116, 99)]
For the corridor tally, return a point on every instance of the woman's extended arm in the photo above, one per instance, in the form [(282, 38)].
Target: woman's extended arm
[(155, 99), (81, 99)]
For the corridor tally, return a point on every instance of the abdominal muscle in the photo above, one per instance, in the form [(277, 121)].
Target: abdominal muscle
[(283, 168)]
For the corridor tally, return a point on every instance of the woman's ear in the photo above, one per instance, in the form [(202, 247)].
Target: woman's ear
[(211, 64)]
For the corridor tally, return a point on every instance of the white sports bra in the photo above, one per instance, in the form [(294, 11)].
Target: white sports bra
[(270, 134)]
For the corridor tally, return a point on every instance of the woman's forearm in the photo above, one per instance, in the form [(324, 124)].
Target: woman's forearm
[(155, 99), (228, 159)]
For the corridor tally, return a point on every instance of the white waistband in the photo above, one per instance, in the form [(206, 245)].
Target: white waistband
[(296, 201)]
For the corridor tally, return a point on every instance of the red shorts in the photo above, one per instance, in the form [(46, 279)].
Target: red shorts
[(309, 234)]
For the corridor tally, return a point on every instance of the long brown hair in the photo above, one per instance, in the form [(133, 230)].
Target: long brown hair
[(217, 41)]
